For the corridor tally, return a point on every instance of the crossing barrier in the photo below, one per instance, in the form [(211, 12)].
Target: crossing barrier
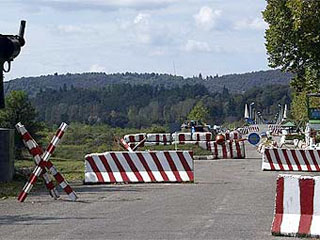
[(282, 159), (297, 206), (43, 162), (139, 167), (229, 149), (134, 138)]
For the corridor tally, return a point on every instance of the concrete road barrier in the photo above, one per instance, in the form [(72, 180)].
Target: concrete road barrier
[(297, 207), (230, 149), (134, 138), (281, 159), (139, 167)]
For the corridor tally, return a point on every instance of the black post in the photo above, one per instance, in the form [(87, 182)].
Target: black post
[(2, 104)]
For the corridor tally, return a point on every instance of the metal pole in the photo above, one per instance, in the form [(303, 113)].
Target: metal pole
[(2, 105)]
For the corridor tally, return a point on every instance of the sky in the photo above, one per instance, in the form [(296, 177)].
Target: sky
[(183, 37)]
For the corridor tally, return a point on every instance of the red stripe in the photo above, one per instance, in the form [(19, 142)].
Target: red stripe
[(50, 148), (185, 165), (141, 137), (208, 136), (227, 136), (303, 154), (284, 152), (50, 185), (133, 167), (59, 178), (181, 138), (278, 158), (49, 164), (267, 155), (108, 168), (33, 178), (22, 196), (306, 205), (159, 166), (293, 152), (173, 166), (145, 165), (164, 138), (224, 150), (131, 139), (27, 137), (95, 169), (36, 151), (231, 150), (157, 138), (314, 160), (68, 189), (238, 149), (279, 207), (120, 168), (59, 133), (215, 149)]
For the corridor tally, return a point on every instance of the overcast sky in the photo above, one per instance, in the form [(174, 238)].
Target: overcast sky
[(207, 36)]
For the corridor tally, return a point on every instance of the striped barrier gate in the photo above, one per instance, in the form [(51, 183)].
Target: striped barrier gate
[(230, 149), (233, 135), (297, 206), (134, 138), (139, 167), (281, 159)]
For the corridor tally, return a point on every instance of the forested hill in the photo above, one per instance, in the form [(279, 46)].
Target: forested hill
[(236, 83)]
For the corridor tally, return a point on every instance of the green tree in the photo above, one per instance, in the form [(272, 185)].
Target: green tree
[(19, 109), (293, 44), (199, 112)]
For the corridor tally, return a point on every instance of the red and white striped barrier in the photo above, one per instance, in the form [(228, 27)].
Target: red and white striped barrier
[(159, 137), (253, 129), (139, 167), (243, 131), (36, 152), (230, 149), (281, 159), (157, 143), (181, 137), (297, 207), (132, 138), (275, 129), (233, 135), (44, 162), (202, 136)]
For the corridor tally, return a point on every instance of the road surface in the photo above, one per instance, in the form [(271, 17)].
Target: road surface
[(231, 199)]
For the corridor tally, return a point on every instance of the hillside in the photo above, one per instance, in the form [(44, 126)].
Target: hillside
[(236, 83)]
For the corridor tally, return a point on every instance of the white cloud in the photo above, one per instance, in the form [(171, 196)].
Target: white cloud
[(206, 17), (97, 68), (251, 24), (74, 29), (142, 19), (197, 46)]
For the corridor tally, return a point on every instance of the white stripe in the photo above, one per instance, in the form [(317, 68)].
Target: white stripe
[(153, 167), (182, 172), (291, 159), (274, 159), (132, 177), (291, 205), (63, 184), (55, 141), (90, 177), (114, 168), (315, 229), (316, 155), (73, 196), (301, 161), (283, 159), (166, 167), (189, 159), (143, 172), (28, 187), (308, 156), (101, 168), (46, 156), (53, 170)]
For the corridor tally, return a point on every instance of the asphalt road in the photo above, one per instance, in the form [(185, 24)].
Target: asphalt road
[(231, 199)]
